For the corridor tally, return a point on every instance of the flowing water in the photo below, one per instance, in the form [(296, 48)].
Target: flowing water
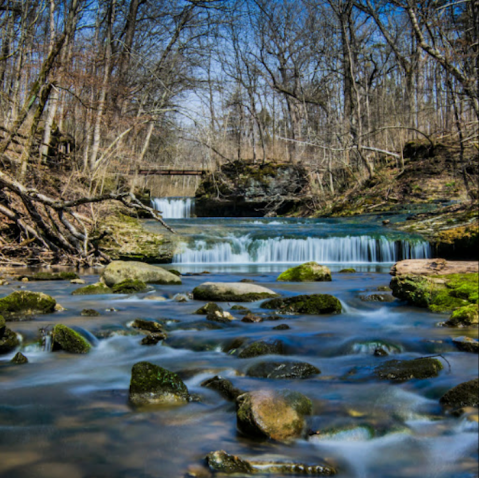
[(67, 415), (174, 207)]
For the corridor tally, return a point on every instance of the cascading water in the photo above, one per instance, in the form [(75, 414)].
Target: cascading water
[(350, 249), (174, 208)]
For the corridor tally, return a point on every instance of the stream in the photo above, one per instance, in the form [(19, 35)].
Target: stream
[(67, 415)]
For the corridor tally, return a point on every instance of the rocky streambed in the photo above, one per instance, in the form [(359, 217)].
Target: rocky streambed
[(150, 373)]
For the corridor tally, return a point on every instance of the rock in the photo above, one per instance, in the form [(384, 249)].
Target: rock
[(386, 222), (77, 281), (377, 298), (308, 272), (154, 297), (222, 462), (384, 288), (282, 327), (403, 370), (129, 286), (272, 414), (42, 276), (90, 313), (248, 281), (2, 326), (223, 317), (464, 316), (153, 385), (282, 370), (21, 304), (180, 298), (93, 289), (19, 359), (9, 341), (174, 271), (118, 271), (198, 471), (428, 267), (262, 348), (465, 394), (232, 292), (348, 270), (153, 339), (64, 338), (223, 386), (148, 325), (315, 304), (209, 307), (466, 344), (252, 319)]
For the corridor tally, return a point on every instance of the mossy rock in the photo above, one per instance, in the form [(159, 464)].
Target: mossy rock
[(19, 359), (315, 304), (307, 272), (348, 270), (20, 304), (147, 325), (67, 339), (282, 370), (2, 326), (9, 341), (403, 370), (119, 271), (153, 385), (466, 344), (209, 307), (231, 292), (259, 348), (90, 313), (465, 394), (464, 316), (223, 386), (129, 286), (222, 462), (43, 276), (94, 289)]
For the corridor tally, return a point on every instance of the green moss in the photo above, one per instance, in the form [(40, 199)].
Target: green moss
[(129, 286), (403, 370), (25, 303), (308, 272), (64, 338), (464, 316), (42, 276), (314, 304), (2, 326), (93, 289)]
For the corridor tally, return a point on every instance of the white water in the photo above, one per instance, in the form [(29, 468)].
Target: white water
[(350, 249), (174, 208)]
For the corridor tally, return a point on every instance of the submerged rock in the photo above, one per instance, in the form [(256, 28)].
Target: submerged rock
[(209, 307), (232, 292), (148, 325), (90, 313), (282, 327), (466, 344), (403, 370), (129, 286), (315, 304), (308, 272), (93, 289), (118, 271), (385, 297), (348, 270), (9, 341), (348, 433), (22, 304), (271, 414), (153, 339), (222, 462), (282, 370), (43, 276), (262, 348), (67, 339), (222, 317), (251, 318), (153, 385), (223, 386), (19, 359), (465, 394)]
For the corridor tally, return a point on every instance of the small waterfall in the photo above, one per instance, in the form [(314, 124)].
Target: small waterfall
[(350, 249), (174, 208)]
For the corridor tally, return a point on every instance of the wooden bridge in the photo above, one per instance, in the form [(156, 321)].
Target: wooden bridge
[(168, 172)]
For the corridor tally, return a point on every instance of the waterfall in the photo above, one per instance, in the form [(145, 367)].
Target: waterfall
[(174, 208), (349, 249)]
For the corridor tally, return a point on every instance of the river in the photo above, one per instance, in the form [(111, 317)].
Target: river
[(67, 415)]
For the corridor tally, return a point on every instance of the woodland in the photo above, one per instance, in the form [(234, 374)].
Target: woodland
[(94, 90)]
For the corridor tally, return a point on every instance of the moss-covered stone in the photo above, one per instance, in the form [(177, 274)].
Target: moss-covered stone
[(222, 462), (2, 326), (282, 370), (315, 304), (9, 341), (67, 339), (464, 316), (129, 286), (94, 289), (90, 313), (209, 307), (147, 325), (465, 394), (153, 385), (262, 348), (19, 359), (119, 271), (43, 276), (231, 292), (307, 272), (403, 370), (466, 344), (223, 386), (21, 304)]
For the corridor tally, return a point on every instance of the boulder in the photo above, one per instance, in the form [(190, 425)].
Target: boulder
[(465, 394), (466, 344), (21, 304), (282, 370), (153, 385), (262, 348), (64, 338), (403, 370), (308, 272), (93, 289), (272, 414), (223, 386), (129, 286), (433, 267), (9, 341), (118, 271), (232, 292), (315, 304), (19, 359)]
